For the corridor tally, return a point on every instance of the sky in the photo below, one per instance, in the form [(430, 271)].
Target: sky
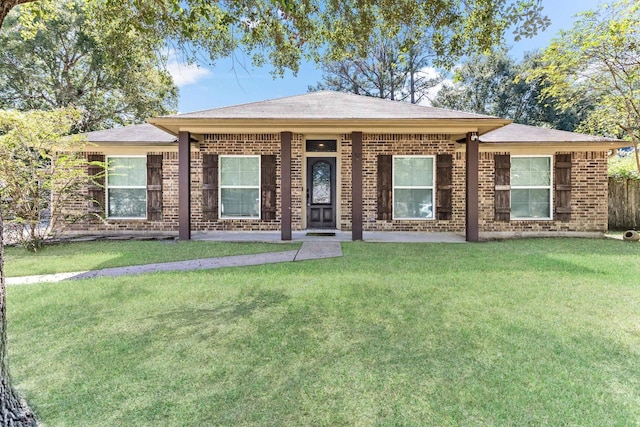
[(233, 83)]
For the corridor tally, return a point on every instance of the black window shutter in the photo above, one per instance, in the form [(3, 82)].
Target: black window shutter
[(385, 187), (444, 186), (563, 187), (209, 187), (96, 189), (154, 187), (268, 190), (502, 181)]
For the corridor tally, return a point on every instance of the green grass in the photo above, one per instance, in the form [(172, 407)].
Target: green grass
[(68, 257), (528, 332)]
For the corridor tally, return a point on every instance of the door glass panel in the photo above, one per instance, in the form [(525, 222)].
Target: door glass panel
[(321, 183)]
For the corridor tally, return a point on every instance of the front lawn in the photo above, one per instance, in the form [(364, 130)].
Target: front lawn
[(529, 332)]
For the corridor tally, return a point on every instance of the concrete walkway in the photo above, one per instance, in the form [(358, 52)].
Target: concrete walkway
[(308, 251)]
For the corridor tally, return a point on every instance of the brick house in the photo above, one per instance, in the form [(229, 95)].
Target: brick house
[(328, 160)]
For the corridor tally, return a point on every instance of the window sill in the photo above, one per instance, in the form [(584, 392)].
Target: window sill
[(413, 219), (243, 218), (126, 219), (530, 219)]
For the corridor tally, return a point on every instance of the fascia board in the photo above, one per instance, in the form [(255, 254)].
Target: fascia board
[(442, 126)]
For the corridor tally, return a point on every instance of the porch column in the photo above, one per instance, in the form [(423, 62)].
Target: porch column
[(356, 185), (184, 186), (472, 162), (285, 185)]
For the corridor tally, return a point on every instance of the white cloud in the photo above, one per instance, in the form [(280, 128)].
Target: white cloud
[(186, 74), (432, 73), (429, 73)]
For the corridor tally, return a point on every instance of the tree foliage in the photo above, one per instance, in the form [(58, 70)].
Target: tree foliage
[(59, 59), (497, 85), (283, 32), (42, 170), (599, 59)]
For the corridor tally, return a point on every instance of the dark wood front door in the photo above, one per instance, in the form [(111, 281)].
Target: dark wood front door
[(321, 192)]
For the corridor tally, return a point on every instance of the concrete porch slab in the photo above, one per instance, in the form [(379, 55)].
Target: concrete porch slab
[(339, 236)]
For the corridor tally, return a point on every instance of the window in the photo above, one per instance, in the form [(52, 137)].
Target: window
[(413, 178), (127, 187), (240, 187), (531, 187), (319, 146)]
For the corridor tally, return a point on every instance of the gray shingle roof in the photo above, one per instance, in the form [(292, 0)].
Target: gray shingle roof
[(329, 105), (136, 133), (530, 134)]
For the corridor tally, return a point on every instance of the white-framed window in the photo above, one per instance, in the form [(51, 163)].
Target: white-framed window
[(531, 187), (413, 187), (126, 187), (239, 187)]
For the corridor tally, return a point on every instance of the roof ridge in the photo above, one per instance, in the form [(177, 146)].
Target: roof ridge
[(247, 103)]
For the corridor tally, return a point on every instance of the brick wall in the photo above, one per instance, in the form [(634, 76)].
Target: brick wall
[(588, 197), (421, 144), (233, 144), (298, 197), (169, 205), (346, 190)]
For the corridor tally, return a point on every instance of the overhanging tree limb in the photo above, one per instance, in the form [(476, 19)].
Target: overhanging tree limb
[(7, 5), (282, 33)]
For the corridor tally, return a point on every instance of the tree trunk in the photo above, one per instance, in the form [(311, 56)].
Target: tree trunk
[(413, 86), (412, 74), (14, 412)]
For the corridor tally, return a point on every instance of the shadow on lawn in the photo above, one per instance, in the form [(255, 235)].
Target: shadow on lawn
[(243, 308)]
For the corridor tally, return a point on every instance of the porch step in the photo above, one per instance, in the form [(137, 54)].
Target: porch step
[(318, 250)]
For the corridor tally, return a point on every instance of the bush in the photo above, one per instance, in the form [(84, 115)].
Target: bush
[(623, 167)]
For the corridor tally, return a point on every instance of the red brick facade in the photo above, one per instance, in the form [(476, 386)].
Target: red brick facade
[(588, 195)]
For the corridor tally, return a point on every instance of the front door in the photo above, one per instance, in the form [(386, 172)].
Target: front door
[(321, 192)]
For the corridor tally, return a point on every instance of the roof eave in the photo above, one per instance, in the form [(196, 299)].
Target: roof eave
[(569, 145), (129, 143)]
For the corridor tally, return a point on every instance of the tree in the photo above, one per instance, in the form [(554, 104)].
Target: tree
[(57, 60), (282, 32), (497, 85), (599, 59), (13, 410), (42, 171), (394, 69)]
